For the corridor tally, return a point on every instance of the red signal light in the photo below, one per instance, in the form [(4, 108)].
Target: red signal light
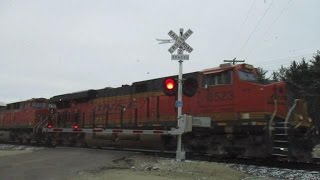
[(75, 126), (170, 86), (49, 125)]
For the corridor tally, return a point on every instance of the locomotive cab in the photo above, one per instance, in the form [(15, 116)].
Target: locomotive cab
[(254, 118), (235, 93)]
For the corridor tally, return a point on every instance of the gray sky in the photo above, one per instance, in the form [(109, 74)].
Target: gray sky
[(54, 47)]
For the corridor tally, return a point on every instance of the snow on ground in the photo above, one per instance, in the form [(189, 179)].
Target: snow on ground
[(276, 173), (146, 167)]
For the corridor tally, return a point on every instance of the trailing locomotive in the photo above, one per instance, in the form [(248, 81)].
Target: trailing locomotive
[(247, 118), (19, 121)]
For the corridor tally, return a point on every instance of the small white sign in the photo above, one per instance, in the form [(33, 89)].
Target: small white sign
[(179, 57)]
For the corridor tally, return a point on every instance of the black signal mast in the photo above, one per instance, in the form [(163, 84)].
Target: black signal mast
[(233, 61)]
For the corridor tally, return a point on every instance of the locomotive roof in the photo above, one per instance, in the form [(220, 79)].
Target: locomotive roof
[(80, 95), (28, 100), (136, 87), (16, 105), (224, 67), (150, 85)]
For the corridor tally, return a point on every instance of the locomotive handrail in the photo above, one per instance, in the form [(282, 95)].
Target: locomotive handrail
[(291, 111), (273, 116), (40, 123)]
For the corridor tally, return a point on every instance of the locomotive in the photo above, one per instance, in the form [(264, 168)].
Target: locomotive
[(19, 120), (246, 118)]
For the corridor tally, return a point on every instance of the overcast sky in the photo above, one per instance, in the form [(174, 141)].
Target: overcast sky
[(59, 46)]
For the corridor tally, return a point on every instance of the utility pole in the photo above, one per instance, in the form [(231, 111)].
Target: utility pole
[(233, 61)]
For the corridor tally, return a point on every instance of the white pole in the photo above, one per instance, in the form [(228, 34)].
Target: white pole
[(180, 155)]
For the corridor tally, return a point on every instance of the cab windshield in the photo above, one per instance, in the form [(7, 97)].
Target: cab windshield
[(248, 76)]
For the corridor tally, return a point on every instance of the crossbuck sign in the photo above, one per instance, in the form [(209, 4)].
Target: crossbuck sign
[(181, 44)]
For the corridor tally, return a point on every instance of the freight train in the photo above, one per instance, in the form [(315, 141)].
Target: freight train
[(244, 118)]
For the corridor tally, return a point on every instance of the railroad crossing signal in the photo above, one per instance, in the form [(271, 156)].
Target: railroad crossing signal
[(181, 45), (180, 41)]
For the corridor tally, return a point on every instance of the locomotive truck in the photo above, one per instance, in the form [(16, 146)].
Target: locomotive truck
[(233, 114)]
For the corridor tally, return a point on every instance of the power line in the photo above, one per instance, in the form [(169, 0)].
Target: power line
[(257, 25), (278, 17), (273, 22), (277, 60), (278, 64), (245, 19)]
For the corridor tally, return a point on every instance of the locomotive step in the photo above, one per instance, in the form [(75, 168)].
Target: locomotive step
[(281, 134), (285, 153), (280, 148), (281, 122), (280, 138), (280, 131), (281, 127), (282, 155), (280, 141)]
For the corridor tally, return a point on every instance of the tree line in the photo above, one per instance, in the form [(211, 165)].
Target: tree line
[(303, 82)]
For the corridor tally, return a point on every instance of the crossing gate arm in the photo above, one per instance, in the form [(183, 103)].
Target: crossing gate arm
[(104, 131), (185, 124)]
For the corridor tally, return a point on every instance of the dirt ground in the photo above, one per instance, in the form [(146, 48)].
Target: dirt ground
[(9, 150), (15, 152), (141, 167)]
